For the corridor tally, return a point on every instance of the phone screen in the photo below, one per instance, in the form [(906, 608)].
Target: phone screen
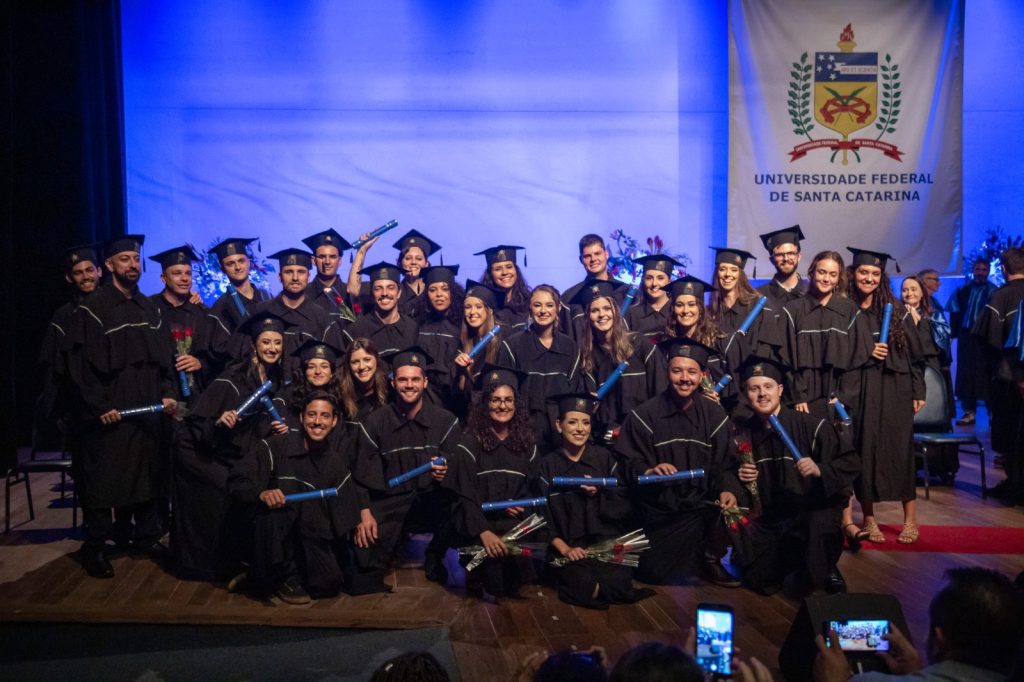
[(714, 641), (861, 635)]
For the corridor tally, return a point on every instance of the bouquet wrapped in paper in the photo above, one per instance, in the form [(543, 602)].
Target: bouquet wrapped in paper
[(510, 539), (623, 550)]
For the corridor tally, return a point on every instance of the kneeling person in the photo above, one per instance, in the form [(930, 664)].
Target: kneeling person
[(320, 528), (801, 500)]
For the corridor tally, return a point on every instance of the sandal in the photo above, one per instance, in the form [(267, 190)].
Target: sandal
[(909, 534), (874, 532), (854, 539)]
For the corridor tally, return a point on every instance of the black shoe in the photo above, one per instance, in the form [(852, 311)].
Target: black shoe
[(291, 591), (435, 569), (97, 565), (835, 583), (715, 572), (156, 551)]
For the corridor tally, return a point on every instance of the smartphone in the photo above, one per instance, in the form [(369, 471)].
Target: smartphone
[(859, 635), (714, 638)]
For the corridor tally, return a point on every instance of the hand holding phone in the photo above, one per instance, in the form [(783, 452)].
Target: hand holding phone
[(714, 639), (860, 635)]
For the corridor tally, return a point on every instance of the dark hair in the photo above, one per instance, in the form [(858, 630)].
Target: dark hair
[(589, 240), (425, 312), (926, 296), (416, 666), (517, 299), (980, 259), (520, 430), (401, 255), (882, 295), (656, 662), (350, 394), (318, 394), (1012, 261), (745, 294), (571, 666), (303, 388), (705, 331), (981, 616)]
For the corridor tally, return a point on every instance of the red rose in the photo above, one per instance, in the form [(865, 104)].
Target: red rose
[(744, 521), (337, 299), (176, 333), (527, 551), (744, 447), (188, 331), (734, 527)]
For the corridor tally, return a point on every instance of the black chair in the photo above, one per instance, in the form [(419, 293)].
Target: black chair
[(935, 415)]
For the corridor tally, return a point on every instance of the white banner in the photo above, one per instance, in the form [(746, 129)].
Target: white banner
[(846, 118)]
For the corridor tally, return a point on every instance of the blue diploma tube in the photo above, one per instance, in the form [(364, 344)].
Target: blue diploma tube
[(645, 479), (248, 402), (413, 473), (136, 411), (628, 300), (883, 335), (323, 493), (752, 315), (844, 416), (569, 481), (183, 382), (610, 381), (376, 233), (722, 383), (482, 343), (268, 405), (237, 298), (790, 445), (507, 504)]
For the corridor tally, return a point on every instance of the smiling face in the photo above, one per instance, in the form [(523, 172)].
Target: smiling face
[(686, 310), (764, 394), (318, 420), (474, 311), (178, 279), (84, 276), (363, 366), (575, 428), (126, 267), (413, 260), (825, 276), (655, 282), (727, 276), (318, 371), (911, 292), (294, 279), (684, 376), (409, 383), (385, 295), (236, 267), (504, 274), (602, 314), (439, 295), (786, 258), (269, 347), (327, 259), (594, 259), (543, 310), (501, 407), (867, 278)]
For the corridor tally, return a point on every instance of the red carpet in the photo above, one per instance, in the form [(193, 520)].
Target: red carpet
[(954, 540)]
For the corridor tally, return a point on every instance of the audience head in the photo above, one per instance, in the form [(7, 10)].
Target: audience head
[(578, 666), (1012, 261), (417, 666), (656, 662)]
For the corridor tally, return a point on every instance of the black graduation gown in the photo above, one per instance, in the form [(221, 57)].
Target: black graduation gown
[(643, 319), (511, 321), (882, 407), (388, 338), (549, 371), (766, 337), (439, 338), (409, 301), (572, 318), (226, 317), (800, 518), (779, 296), (676, 515), (644, 378), (480, 476), (818, 350), (119, 359), (971, 385), (308, 322), (390, 445), (581, 520), (54, 406), (320, 527), (189, 328), (334, 300)]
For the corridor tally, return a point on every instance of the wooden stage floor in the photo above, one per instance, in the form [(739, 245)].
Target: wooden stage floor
[(41, 581)]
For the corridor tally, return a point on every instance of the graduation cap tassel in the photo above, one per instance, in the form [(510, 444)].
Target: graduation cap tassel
[(897, 264), (526, 262)]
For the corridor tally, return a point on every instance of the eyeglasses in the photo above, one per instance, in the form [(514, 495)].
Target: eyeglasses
[(496, 402), (787, 255)]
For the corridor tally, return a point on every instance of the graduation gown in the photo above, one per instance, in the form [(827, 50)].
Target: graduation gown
[(643, 319), (800, 518), (572, 317), (818, 350), (320, 527), (511, 321), (226, 317), (549, 371), (390, 445), (409, 301), (388, 338), (766, 337), (780, 296), (190, 330), (334, 300), (644, 378), (54, 407), (439, 338), (481, 476), (943, 459), (675, 515), (308, 322), (119, 359), (882, 407), (966, 306), (581, 520)]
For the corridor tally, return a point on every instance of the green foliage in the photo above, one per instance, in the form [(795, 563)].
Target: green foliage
[(799, 97), (889, 109)]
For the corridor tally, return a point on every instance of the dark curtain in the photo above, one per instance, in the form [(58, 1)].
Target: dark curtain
[(65, 175)]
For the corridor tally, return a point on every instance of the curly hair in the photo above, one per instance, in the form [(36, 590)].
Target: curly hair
[(618, 341), (425, 312), (520, 430), (517, 299), (304, 389), (841, 285), (882, 295), (705, 331), (745, 294), (349, 391)]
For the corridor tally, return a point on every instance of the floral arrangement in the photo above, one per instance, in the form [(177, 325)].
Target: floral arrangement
[(626, 249), (992, 246), (211, 283), (745, 453), (623, 550)]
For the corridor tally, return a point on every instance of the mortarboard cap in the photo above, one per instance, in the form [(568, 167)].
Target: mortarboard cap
[(876, 258), (592, 290), (689, 286), (413, 356), (263, 322), (179, 255), (659, 262), (439, 273), (286, 257), (575, 402), (496, 375), (232, 246), (787, 235), (128, 242), (314, 349), (685, 347), (500, 253), (326, 238), (382, 270), (416, 238), (77, 254), (492, 298), (756, 366)]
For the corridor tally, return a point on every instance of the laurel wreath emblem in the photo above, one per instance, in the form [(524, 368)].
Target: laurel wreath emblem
[(800, 98), (891, 93)]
